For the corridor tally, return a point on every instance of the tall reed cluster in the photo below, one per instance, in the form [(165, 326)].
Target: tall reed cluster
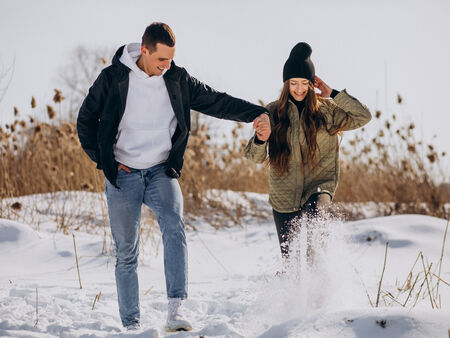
[(46, 156), (393, 166)]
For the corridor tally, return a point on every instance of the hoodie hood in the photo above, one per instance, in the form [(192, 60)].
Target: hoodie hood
[(173, 72), (130, 55)]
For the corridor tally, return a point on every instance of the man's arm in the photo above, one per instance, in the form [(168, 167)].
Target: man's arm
[(89, 117), (221, 105)]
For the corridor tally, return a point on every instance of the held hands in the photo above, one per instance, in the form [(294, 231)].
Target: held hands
[(325, 90), (262, 126)]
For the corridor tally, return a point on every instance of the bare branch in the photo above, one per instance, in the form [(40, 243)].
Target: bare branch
[(75, 77)]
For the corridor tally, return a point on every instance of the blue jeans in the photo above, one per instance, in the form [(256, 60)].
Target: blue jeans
[(162, 195)]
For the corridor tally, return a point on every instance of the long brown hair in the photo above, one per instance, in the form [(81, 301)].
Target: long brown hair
[(311, 121)]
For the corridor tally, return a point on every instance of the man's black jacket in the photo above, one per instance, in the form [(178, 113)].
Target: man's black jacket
[(103, 108)]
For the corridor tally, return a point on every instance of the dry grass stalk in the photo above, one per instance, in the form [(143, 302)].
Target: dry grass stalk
[(411, 290), (406, 284), (76, 260), (421, 286), (37, 311), (391, 296), (440, 260), (96, 299), (213, 256), (439, 278), (382, 274), (426, 280), (364, 286), (148, 291), (368, 297)]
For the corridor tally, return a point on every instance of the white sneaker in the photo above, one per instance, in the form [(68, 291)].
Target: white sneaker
[(133, 327), (175, 319)]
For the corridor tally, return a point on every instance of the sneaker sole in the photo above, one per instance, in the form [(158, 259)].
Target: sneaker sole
[(178, 329)]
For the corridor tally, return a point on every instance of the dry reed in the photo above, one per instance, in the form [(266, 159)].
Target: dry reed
[(37, 309), (96, 299), (382, 274), (46, 157), (76, 260)]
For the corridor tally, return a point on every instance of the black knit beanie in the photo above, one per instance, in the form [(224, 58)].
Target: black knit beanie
[(299, 64)]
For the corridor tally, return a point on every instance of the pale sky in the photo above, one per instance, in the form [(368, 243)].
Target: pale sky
[(375, 49)]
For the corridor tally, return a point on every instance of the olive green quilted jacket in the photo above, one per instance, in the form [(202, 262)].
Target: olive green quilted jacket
[(289, 192)]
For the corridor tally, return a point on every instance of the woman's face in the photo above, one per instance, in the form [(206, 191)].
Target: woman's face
[(298, 88)]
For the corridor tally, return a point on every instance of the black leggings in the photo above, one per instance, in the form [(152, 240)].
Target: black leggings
[(286, 228)]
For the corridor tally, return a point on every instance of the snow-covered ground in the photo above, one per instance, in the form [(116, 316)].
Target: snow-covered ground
[(234, 288)]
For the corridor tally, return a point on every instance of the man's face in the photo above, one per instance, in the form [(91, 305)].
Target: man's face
[(157, 61)]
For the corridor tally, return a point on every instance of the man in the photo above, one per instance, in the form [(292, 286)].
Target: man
[(134, 124)]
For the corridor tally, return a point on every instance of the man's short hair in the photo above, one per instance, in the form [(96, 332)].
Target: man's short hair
[(158, 32)]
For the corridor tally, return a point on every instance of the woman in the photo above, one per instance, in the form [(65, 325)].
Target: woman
[(302, 142)]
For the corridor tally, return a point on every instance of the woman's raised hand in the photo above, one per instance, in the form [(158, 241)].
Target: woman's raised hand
[(325, 90)]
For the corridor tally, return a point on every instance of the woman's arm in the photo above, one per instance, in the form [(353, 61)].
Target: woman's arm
[(347, 111), (256, 149)]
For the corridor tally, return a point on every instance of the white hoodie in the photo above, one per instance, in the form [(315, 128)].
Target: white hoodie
[(144, 137)]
